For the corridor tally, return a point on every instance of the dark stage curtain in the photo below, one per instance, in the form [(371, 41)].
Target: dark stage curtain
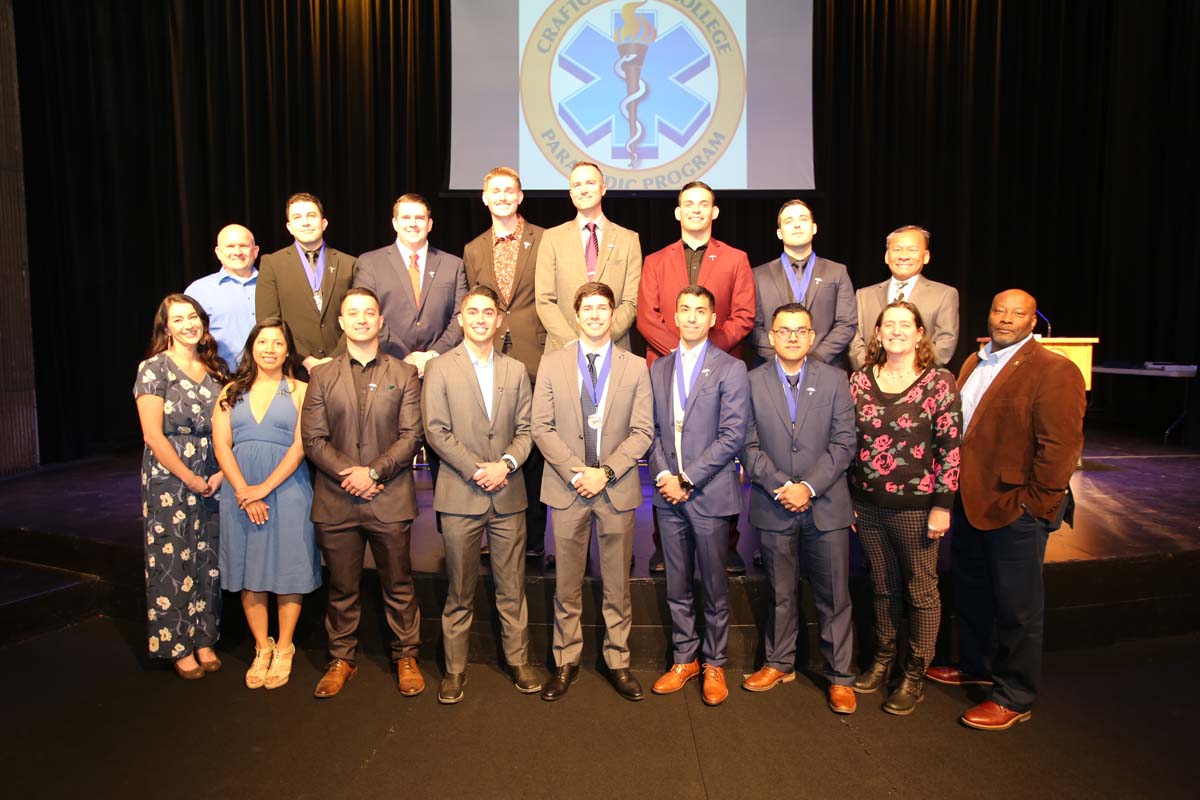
[(1048, 145)]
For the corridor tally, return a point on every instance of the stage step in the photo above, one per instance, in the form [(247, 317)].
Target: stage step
[(35, 599)]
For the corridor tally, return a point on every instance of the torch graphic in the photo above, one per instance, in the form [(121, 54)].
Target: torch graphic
[(633, 39)]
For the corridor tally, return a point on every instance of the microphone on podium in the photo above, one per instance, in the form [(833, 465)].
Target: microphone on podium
[(1045, 319)]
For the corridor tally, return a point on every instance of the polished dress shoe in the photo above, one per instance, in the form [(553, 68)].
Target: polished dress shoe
[(212, 665), (766, 679), (549, 563), (734, 565), (626, 685), (673, 679), (409, 677), (953, 676), (991, 716), (527, 679), (451, 690), (880, 670), (715, 691), (841, 699), (904, 699), (335, 677), (557, 686)]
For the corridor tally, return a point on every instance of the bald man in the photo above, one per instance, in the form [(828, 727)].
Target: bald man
[(1022, 436), (228, 294)]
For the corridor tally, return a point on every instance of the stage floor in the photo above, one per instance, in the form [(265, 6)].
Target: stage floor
[(1135, 497)]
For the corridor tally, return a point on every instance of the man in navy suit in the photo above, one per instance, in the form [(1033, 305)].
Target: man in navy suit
[(420, 288), (799, 275), (701, 404), (799, 443)]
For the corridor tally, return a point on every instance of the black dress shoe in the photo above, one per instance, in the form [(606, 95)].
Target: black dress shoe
[(548, 564), (626, 685), (734, 564), (758, 559), (527, 678), (451, 690), (534, 552), (557, 686)]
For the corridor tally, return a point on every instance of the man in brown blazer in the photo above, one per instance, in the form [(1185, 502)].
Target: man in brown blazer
[(361, 426), (589, 247), (304, 284), (1023, 412), (476, 404), (593, 418), (503, 258)]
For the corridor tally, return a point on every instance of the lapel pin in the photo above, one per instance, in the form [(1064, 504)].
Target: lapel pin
[(712, 258), (705, 371), (611, 246), (810, 390), (432, 273), (527, 245)]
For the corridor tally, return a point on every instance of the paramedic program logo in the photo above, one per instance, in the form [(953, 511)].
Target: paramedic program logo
[(651, 92)]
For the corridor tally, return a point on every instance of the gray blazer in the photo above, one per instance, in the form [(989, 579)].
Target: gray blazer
[(408, 327), (562, 269), (818, 451), (938, 304), (458, 428), (714, 427), (830, 300), (626, 429)]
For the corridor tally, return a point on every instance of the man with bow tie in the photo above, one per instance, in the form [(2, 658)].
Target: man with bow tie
[(906, 255), (701, 405), (800, 441)]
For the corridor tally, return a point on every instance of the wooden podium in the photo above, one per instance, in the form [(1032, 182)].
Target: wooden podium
[(1077, 350)]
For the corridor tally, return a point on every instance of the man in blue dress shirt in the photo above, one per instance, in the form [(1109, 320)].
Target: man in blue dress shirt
[(228, 294)]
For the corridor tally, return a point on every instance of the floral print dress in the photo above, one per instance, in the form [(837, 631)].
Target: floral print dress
[(183, 589)]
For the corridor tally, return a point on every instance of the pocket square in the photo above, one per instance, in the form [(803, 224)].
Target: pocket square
[(391, 387)]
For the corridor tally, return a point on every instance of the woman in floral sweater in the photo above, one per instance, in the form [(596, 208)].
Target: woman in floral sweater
[(904, 480)]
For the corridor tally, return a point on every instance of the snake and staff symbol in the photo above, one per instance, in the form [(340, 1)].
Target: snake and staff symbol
[(633, 39)]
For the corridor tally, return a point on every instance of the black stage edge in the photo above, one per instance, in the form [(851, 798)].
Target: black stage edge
[(71, 536)]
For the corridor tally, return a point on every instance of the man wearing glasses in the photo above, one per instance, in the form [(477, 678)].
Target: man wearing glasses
[(906, 255), (799, 443)]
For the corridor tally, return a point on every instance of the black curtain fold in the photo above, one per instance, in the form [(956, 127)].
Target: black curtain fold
[(1046, 145)]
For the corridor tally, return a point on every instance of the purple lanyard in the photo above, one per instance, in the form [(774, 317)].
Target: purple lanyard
[(680, 389), (314, 280), (799, 285), (595, 390)]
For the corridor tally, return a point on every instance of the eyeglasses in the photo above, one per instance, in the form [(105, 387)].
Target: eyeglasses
[(791, 333)]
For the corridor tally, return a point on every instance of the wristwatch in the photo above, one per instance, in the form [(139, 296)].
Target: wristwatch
[(609, 474), (510, 462), (684, 483), (372, 474)]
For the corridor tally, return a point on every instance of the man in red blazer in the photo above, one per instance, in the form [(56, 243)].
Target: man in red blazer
[(697, 259), (1023, 433)]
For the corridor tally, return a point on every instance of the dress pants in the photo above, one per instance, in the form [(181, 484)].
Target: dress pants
[(826, 554), (1000, 601), (535, 512), (572, 535), (343, 545), (690, 539), (506, 537)]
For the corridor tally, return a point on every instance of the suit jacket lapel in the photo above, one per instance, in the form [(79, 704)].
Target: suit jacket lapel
[(523, 250), (329, 279), (614, 381), (781, 283), (571, 381), (347, 380), (433, 260), (706, 371), (808, 390), (382, 377), (775, 392), (499, 379), (818, 275), (998, 384), (607, 245)]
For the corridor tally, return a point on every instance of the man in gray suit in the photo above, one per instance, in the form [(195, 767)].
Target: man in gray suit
[(701, 406), (476, 404), (799, 444), (592, 419), (304, 284), (589, 247), (906, 255), (361, 426), (419, 287), (801, 276)]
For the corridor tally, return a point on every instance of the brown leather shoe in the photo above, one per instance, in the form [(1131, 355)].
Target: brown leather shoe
[(335, 677), (715, 690), (674, 678), (409, 677), (841, 699), (991, 716), (953, 676), (766, 679)]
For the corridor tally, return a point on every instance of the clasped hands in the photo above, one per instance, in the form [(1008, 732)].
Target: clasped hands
[(491, 476), (357, 481), (795, 497), (672, 490), (591, 481)]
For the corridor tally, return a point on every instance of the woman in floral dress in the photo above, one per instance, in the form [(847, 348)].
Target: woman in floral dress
[(904, 481), (176, 388)]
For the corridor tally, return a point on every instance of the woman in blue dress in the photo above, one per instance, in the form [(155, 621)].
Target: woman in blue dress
[(176, 388), (267, 540)]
